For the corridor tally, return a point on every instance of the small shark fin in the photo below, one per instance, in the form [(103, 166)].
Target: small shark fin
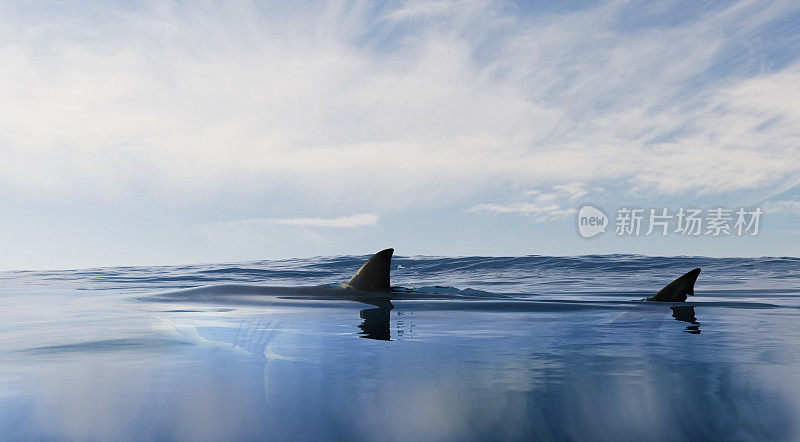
[(374, 274), (677, 290)]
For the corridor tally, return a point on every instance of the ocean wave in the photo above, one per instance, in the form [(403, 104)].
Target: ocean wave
[(526, 274)]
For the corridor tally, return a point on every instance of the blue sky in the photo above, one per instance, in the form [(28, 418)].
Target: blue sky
[(182, 132)]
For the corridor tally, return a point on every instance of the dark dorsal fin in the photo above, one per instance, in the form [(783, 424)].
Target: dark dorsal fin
[(374, 274), (677, 290)]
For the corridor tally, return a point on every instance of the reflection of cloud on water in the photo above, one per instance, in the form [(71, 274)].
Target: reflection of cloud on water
[(553, 374), (581, 379)]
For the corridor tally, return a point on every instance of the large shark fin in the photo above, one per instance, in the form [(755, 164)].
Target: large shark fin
[(374, 274), (677, 290)]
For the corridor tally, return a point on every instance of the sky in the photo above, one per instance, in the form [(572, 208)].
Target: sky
[(154, 133)]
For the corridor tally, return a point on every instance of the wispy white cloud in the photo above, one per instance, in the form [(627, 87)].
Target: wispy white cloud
[(272, 230), (538, 211), (783, 206), (429, 8), (343, 106), (541, 206), (360, 220)]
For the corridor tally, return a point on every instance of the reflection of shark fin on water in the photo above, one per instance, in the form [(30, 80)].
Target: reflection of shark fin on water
[(677, 290), (685, 313), (376, 322), (374, 274)]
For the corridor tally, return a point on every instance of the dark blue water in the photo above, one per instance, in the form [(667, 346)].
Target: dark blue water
[(530, 348)]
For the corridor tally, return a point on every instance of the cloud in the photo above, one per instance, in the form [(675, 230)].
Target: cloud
[(360, 220), (785, 206), (358, 107), (539, 212), (255, 225), (542, 206), (427, 9), (270, 230)]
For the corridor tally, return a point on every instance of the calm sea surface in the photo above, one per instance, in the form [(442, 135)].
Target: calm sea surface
[(527, 348)]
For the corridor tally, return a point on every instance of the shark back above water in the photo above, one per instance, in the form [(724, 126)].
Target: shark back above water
[(371, 285), (677, 290), (373, 276)]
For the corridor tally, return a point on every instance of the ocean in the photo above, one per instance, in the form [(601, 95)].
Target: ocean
[(477, 348)]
